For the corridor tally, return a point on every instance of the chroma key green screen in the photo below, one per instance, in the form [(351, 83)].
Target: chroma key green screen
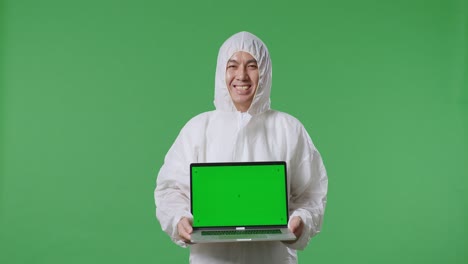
[(239, 194)]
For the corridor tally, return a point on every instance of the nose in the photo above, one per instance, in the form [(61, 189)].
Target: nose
[(242, 74)]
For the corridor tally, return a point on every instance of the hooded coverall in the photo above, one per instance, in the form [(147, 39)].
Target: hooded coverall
[(227, 135)]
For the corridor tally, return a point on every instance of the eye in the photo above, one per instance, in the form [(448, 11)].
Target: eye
[(253, 66)]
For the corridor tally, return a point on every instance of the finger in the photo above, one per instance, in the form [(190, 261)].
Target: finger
[(185, 229), (298, 231), (184, 235)]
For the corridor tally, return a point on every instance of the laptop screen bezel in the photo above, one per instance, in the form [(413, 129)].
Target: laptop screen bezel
[(254, 163)]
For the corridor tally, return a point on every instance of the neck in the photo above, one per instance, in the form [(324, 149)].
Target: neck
[(242, 108)]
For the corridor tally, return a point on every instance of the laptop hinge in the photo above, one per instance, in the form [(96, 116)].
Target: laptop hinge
[(240, 228)]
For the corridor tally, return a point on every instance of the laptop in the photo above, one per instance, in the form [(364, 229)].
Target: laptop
[(239, 201)]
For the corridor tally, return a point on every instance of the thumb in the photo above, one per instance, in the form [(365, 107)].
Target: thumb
[(297, 226), (293, 223)]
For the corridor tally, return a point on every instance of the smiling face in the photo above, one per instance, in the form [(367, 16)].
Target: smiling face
[(242, 79)]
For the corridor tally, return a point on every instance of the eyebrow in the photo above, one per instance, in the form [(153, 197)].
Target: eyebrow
[(249, 61)]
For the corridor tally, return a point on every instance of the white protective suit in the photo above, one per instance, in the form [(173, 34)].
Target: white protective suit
[(226, 135)]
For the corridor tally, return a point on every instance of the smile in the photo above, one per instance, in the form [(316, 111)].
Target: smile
[(242, 87)]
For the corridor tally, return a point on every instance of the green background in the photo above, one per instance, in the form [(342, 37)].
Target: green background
[(93, 93)]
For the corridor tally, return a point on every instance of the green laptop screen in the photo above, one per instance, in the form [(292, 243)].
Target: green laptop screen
[(237, 194)]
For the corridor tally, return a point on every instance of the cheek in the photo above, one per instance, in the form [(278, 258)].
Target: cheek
[(228, 78), (256, 78)]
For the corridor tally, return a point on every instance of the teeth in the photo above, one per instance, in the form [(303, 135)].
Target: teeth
[(243, 87)]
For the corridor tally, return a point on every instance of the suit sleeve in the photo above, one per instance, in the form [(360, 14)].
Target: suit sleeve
[(309, 184), (172, 193)]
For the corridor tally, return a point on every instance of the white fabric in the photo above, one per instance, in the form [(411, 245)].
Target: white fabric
[(225, 135)]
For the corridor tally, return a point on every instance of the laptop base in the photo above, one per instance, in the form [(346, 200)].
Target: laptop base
[(284, 235)]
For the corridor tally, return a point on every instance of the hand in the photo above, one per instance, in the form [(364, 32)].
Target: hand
[(184, 227), (296, 226)]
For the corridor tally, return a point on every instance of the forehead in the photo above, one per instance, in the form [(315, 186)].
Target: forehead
[(242, 56)]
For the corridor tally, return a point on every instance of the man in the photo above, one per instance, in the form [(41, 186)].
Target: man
[(243, 128)]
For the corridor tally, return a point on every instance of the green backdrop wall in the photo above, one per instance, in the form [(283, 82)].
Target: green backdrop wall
[(93, 93)]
